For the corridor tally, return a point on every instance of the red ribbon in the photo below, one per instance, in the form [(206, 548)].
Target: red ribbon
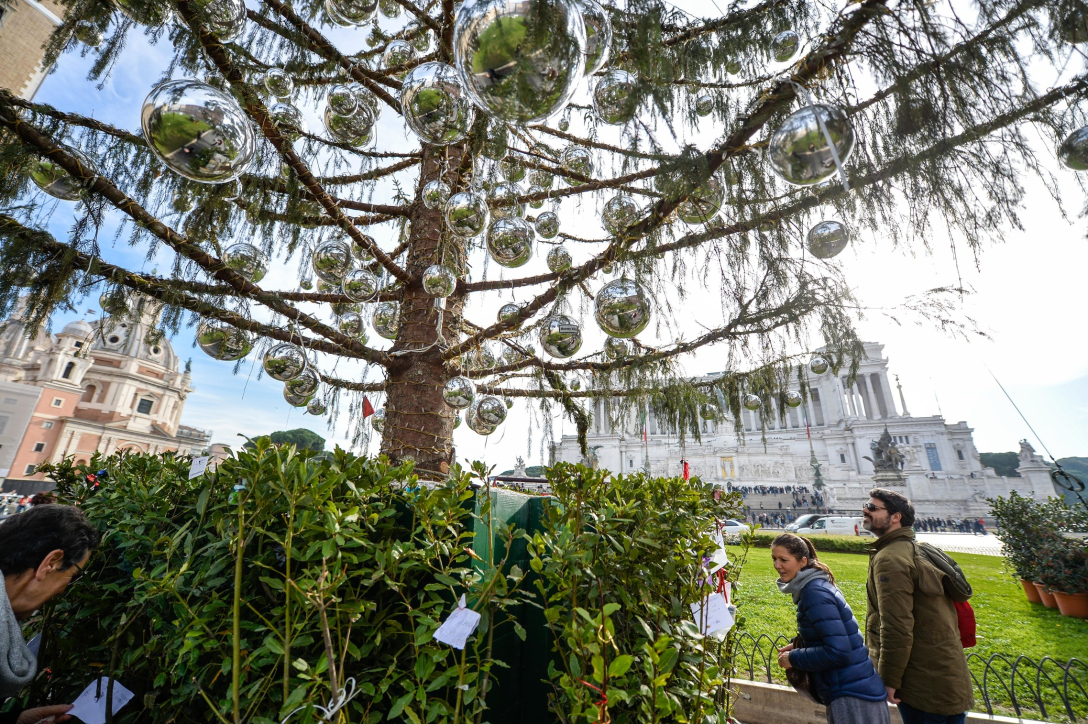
[(602, 705)]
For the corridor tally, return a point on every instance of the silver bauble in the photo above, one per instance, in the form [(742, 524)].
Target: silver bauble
[(544, 179), (389, 8), (459, 392), (509, 404), (342, 100), (618, 213), (521, 60), (51, 178), (510, 241), (197, 131), (622, 308), (559, 259), (533, 191), (353, 130), (509, 311), (278, 82), (709, 411), (434, 104), (490, 410), (828, 238), (362, 247), (221, 341), (331, 261), (703, 203), (481, 358), (793, 399), (88, 33), (226, 19), (284, 361), (351, 12), (466, 214), (360, 285), (615, 348), (704, 105), (475, 424), (306, 283), (247, 260), (1073, 152), (435, 194), (598, 34), (316, 408), (115, 300), (398, 53), (616, 97), (752, 402), (799, 152), (503, 202), (305, 383), (818, 365), (146, 12), (386, 319), (351, 324), (785, 46), (512, 169), (288, 120), (560, 336), (422, 42), (439, 281), (377, 420), (456, 421), (577, 160), (296, 399), (547, 225), (367, 99)]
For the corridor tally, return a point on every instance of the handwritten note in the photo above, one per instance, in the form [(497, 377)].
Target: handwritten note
[(91, 704), (712, 615), (456, 629), (198, 467)]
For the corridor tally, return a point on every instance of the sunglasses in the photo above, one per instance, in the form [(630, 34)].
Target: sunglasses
[(871, 508), (77, 575)]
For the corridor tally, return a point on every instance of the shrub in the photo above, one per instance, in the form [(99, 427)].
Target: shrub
[(828, 543), (1037, 544)]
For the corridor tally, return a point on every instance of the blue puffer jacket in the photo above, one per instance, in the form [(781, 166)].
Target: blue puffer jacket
[(834, 650)]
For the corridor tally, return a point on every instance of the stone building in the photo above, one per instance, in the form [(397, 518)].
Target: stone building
[(89, 388), (25, 27), (941, 471)]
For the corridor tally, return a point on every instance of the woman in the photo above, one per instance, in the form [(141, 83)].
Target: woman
[(832, 650)]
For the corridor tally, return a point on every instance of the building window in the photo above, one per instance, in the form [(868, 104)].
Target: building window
[(57, 402), (842, 458), (47, 425), (144, 407), (959, 454), (11, 401), (68, 370), (29, 470), (630, 463), (78, 345), (39, 447), (934, 458)]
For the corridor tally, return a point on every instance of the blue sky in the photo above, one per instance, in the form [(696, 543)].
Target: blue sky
[(1027, 297)]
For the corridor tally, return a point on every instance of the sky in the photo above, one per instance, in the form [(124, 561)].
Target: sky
[(1027, 300)]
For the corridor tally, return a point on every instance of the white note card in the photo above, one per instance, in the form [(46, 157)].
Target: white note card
[(198, 467), (719, 560), (90, 707), (712, 615), (456, 629)]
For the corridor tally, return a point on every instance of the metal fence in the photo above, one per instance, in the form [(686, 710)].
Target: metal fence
[(1046, 689)]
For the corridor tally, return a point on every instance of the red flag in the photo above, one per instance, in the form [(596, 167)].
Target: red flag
[(368, 409), (687, 471)]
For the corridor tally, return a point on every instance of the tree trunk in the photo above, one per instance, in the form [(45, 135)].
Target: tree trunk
[(418, 423)]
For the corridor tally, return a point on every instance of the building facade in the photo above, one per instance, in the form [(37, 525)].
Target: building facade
[(25, 27), (941, 470), (92, 387)]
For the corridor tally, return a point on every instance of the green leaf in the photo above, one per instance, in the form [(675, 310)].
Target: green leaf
[(519, 630), (611, 608), (668, 660), (398, 705), (620, 665)]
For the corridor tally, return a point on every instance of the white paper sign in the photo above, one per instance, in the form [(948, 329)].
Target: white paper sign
[(712, 614), (198, 467), (719, 560), (456, 629), (91, 704), (34, 644)]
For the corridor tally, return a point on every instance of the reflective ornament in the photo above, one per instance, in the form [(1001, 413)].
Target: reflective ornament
[(475, 424), (386, 319), (331, 261), (360, 285), (53, 179), (88, 33), (278, 83), (367, 99), (752, 402), (732, 67), (1073, 27), (490, 410), (703, 203), (793, 399), (197, 131), (564, 124), (710, 411), (398, 53), (704, 105), (435, 194), (439, 281), (512, 168), (827, 239), (521, 60), (616, 348), (481, 358), (466, 214), (422, 42), (361, 247), (818, 365), (306, 284), (608, 268), (288, 120), (459, 392), (306, 383), (456, 421), (560, 336), (284, 361), (503, 202), (799, 151), (598, 34), (351, 12), (316, 408), (616, 97), (618, 213), (558, 259), (296, 399), (1073, 153), (389, 8), (351, 324), (544, 179), (226, 19), (510, 241), (352, 130), (221, 341), (547, 225), (434, 104), (146, 12), (622, 308), (508, 312), (785, 45), (509, 404), (115, 300), (577, 160), (377, 420), (247, 260), (342, 100), (533, 191)]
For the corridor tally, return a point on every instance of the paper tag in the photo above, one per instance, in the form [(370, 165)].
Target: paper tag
[(198, 467), (719, 560), (34, 644), (456, 629), (712, 614), (91, 704)]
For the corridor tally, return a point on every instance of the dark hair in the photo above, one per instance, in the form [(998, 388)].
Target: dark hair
[(28, 537), (895, 503), (799, 548), (43, 498)]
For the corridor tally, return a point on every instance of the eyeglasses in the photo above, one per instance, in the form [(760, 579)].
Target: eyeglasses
[(871, 508), (77, 575)]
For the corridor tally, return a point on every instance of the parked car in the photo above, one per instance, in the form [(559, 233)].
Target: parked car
[(804, 521), (735, 528), (835, 525)]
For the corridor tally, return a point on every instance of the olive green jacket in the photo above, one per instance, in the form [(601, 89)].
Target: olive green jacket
[(912, 631)]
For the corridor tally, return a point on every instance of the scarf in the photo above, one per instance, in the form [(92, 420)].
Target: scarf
[(17, 664), (802, 579)]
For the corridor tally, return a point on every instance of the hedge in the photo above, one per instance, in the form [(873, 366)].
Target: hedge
[(833, 543)]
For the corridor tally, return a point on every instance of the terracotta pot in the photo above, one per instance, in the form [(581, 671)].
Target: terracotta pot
[(1073, 604), (1030, 592), (1046, 596)]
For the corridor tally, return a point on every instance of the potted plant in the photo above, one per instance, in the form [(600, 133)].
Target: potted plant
[(1071, 557), (1019, 520)]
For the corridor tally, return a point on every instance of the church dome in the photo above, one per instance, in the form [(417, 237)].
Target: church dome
[(78, 328)]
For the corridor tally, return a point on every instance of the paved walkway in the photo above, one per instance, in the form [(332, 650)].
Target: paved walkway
[(987, 545)]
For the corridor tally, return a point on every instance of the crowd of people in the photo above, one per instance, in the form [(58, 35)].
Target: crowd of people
[(14, 503), (950, 525)]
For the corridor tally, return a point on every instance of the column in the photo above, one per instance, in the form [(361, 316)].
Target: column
[(874, 407), (889, 397)]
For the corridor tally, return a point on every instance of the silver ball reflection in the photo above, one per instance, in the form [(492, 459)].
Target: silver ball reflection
[(618, 213), (1073, 151), (503, 202), (435, 194), (818, 365), (799, 152), (435, 105), (305, 383), (288, 120), (752, 402), (284, 361), (386, 319), (560, 336), (466, 214), (278, 82), (507, 312), (710, 411), (459, 392), (577, 160), (351, 12), (439, 281), (226, 19), (512, 168), (197, 131), (703, 203), (510, 241), (704, 105), (397, 53), (351, 324), (353, 130), (559, 259), (616, 97), (360, 285), (490, 410), (50, 176), (547, 225), (247, 260), (828, 238), (475, 424), (316, 408), (296, 399), (622, 308), (377, 420), (221, 341), (598, 34), (481, 358), (331, 261), (342, 100), (793, 399), (785, 46), (533, 191), (615, 348)]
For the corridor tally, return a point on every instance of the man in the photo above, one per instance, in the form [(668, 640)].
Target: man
[(41, 552), (912, 630)]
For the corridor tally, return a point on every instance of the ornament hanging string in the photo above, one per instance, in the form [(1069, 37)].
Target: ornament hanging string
[(602, 705), (801, 90)]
